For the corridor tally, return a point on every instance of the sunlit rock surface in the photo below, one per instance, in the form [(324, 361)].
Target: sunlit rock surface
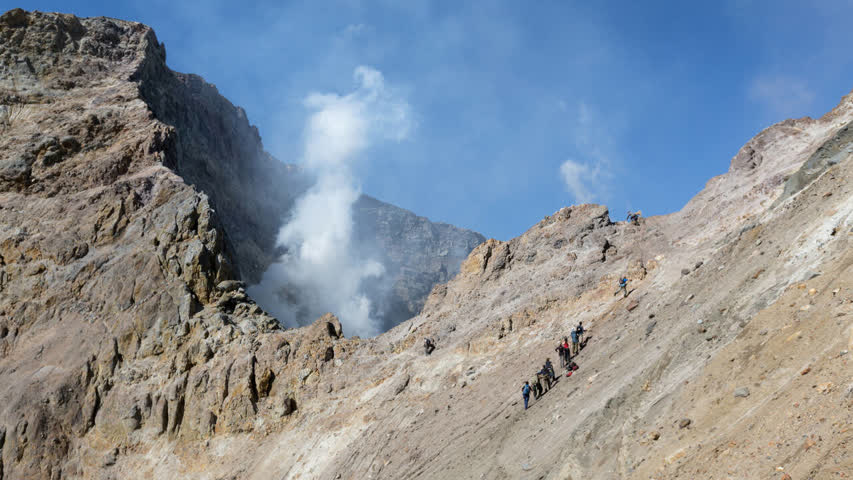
[(129, 348)]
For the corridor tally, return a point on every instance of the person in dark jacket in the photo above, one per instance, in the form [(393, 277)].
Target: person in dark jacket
[(537, 387), (580, 331), (544, 379), (549, 367), (561, 351), (429, 346), (525, 393), (567, 351), (575, 343)]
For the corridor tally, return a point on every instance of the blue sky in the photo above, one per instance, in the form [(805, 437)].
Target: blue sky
[(519, 108)]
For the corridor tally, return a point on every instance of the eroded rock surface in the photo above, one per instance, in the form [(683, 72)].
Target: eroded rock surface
[(129, 348), (122, 321)]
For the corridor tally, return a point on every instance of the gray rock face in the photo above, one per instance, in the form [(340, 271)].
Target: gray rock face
[(416, 253), (219, 152)]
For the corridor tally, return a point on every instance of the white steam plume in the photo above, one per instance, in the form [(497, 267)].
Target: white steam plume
[(322, 270)]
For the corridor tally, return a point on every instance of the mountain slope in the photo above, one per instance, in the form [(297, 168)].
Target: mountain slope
[(760, 301), (128, 351)]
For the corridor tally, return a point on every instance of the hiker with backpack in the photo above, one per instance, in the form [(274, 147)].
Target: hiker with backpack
[(544, 379), (623, 287), (429, 346), (537, 387), (575, 343), (580, 331), (549, 367), (525, 393)]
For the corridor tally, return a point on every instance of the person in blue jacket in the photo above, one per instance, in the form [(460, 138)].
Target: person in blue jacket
[(525, 392), (623, 287)]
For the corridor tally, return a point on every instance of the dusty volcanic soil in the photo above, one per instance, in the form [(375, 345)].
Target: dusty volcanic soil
[(129, 349)]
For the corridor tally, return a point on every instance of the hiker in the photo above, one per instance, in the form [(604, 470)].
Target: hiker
[(580, 331), (537, 387), (567, 351), (575, 343), (525, 393), (544, 379), (634, 217), (561, 351), (549, 367), (429, 346), (623, 287)]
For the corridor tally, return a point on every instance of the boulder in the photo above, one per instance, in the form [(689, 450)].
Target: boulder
[(229, 285), (741, 392)]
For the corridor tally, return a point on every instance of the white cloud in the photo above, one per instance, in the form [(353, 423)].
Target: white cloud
[(322, 270), (782, 95), (586, 179), (580, 178)]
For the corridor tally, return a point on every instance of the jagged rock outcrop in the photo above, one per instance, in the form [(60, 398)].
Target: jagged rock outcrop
[(416, 253), (121, 321), (129, 348)]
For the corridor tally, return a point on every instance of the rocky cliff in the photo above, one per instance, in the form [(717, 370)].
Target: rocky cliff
[(417, 254), (129, 350), (126, 224)]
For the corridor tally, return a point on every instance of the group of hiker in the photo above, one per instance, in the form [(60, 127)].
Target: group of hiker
[(634, 217), (546, 377)]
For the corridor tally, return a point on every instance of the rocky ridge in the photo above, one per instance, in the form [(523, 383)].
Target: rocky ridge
[(729, 358), (123, 233)]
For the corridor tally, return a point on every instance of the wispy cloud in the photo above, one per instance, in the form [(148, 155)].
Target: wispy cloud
[(586, 176), (355, 29), (580, 179), (782, 95)]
